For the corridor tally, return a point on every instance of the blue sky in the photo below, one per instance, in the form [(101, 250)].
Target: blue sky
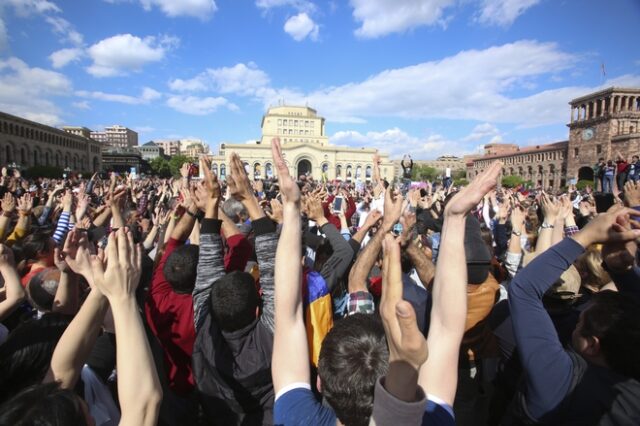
[(426, 77)]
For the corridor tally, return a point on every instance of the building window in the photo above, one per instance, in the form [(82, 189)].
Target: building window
[(279, 122), (575, 152), (598, 149), (284, 122)]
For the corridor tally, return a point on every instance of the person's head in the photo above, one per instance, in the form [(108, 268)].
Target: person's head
[(609, 331), (609, 163), (45, 405), (42, 288), (39, 247), (26, 355), (635, 158), (593, 275), (181, 268), (601, 160), (235, 301), (353, 356), (235, 210)]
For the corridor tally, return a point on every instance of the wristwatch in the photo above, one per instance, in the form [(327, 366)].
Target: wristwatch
[(546, 225), (516, 233)]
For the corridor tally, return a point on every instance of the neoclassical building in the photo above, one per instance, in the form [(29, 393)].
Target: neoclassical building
[(305, 147), (27, 144), (602, 124)]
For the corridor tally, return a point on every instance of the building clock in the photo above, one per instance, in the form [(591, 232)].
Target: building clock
[(588, 133)]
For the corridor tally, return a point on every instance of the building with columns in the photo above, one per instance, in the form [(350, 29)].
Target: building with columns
[(602, 124), (27, 144), (305, 147)]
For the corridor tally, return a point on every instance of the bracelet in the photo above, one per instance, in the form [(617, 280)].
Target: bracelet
[(516, 233), (546, 225)]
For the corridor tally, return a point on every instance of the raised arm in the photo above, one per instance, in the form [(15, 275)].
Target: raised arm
[(210, 258), (14, 293), (290, 359), (366, 259), (439, 375), (139, 391), (75, 345)]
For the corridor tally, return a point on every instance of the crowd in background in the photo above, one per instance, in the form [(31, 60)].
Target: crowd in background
[(294, 301)]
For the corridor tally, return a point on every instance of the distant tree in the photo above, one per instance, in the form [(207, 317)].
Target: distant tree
[(581, 185), (160, 167), (459, 174), (460, 181), (424, 173), (512, 181), (176, 162)]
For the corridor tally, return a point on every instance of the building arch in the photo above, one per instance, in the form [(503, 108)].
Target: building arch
[(339, 171), (268, 170), (585, 173), (96, 164), (257, 170)]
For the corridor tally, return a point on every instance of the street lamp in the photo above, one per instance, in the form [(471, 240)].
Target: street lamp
[(67, 170)]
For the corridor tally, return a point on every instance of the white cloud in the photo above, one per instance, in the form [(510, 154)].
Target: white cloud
[(202, 9), (124, 53), (395, 142), (481, 131), (382, 17), (503, 12), (473, 84), (81, 105), (199, 106), (30, 7), (65, 31), (146, 96), (301, 26), (62, 57), (239, 79), (27, 92)]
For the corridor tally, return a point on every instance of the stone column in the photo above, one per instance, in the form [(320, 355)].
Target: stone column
[(602, 107), (610, 109), (573, 110)]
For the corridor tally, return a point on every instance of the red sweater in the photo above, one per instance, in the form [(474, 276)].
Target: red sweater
[(170, 315), (335, 220)]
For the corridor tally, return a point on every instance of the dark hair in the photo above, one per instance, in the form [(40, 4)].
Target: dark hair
[(26, 355), (234, 299), (181, 268), (43, 405), (34, 245), (353, 356), (615, 320)]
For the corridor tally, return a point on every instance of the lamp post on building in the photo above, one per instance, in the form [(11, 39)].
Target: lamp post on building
[(67, 170), (15, 166)]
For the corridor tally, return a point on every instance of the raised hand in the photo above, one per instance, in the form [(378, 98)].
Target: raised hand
[(25, 204), (469, 197), (393, 206), (632, 194), (67, 201), (238, 181), (59, 260), (8, 203), (605, 228), (407, 346), (372, 218), (82, 205), (288, 187), (6, 257), (517, 219), (184, 170), (276, 211), (120, 279), (77, 253)]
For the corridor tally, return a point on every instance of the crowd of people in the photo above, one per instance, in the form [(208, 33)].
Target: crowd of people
[(292, 301)]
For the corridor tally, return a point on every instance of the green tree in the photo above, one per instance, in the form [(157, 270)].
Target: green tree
[(176, 162), (581, 185), (460, 181), (512, 181), (160, 167), (459, 174), (424, 173)]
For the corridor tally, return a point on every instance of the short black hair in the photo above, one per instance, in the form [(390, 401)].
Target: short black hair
[(26, 355), (181, 268), (43, 404), (234, 299), (615, 319), (354, 354)]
